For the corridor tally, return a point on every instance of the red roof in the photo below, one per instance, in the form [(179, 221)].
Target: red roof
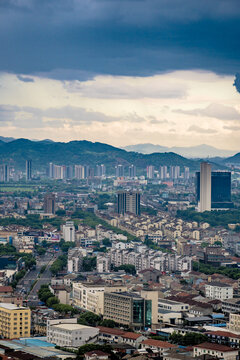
[(216, 347), (158, 343), (106, 330), (224, 333), (131, 335), (4, 289)]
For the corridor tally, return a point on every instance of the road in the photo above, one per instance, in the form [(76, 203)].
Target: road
[(24, 286)]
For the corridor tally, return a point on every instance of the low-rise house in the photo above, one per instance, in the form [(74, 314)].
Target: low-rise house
[(96, 355), (133, 339), (220, 351), (224, 338), (157, 345)]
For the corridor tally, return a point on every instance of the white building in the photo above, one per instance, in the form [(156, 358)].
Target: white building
[(67, 333), (216, 350), (75, 258), (69, 231), (205, 187), (103, 263), (171, 305), (218, 291)]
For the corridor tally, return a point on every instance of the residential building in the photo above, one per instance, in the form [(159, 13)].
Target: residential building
[(218, 291), (150, 172), (15, 321), (103, 263), (231, 306), (90, 296), (128, 308), (128, 202), (69, 231), (132, 171), (220, 351), (75, 257), (234, 322), (119, 171), (157, 345), (67, 333), (49, 205)]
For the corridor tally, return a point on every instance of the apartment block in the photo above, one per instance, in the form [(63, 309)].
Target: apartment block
[(90, 297), (218, 291), (15, 321)]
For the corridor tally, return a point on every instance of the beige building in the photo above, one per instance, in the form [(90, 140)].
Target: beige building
[(234, 322), (15, 322), (128, 309), (90, 296)]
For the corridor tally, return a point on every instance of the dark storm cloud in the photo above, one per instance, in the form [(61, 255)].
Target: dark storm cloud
[(69, 39)]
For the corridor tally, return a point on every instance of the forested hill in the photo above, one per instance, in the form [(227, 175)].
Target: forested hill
[(84, 153)]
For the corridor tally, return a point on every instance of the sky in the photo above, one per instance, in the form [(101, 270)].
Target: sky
[(121, 72)]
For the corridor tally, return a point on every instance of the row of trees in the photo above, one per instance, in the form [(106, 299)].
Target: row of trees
[(46, 296), (214, 218), (233, 273), (59, 264)]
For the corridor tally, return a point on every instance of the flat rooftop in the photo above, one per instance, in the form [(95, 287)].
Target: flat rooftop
[(166, 301), (12, 307), (70, 326)]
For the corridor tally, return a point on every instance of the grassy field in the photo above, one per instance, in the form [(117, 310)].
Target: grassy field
[(16, 188)]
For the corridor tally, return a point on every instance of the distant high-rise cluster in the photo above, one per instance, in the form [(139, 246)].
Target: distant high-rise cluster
[(4, 173), (213, 188), (168, 173)]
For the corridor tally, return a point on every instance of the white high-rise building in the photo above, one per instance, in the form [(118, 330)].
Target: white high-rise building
[(150, 172), (69, 231), (205, 187)]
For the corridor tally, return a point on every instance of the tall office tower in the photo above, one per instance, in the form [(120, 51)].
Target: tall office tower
[(220, 189), (6, 173), (79, 172), (28, 170), (186, 173), (205, 187), (51, 167), (119, 171), (128, 202), (69, 172), (163, 172), (90, 173), (132, 171), (150, 172), (49, 205), (101, 170), (69, 231)]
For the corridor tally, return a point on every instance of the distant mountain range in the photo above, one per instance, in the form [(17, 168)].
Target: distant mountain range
[(16, 152), (200, 151), (82, 152)]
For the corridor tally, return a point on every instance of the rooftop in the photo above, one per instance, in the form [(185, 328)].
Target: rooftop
[(12, 307), (218, 284), (158, 343), (71, 326), (216, 347)]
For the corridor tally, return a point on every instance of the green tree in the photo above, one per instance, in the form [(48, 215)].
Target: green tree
[(89, 318), (128, 268)]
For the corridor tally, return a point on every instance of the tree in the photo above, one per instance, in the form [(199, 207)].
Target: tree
[(51, 301), (106, 242), (130, 269), (108, 323), (89, 318), (190, 338), (89, 263)]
